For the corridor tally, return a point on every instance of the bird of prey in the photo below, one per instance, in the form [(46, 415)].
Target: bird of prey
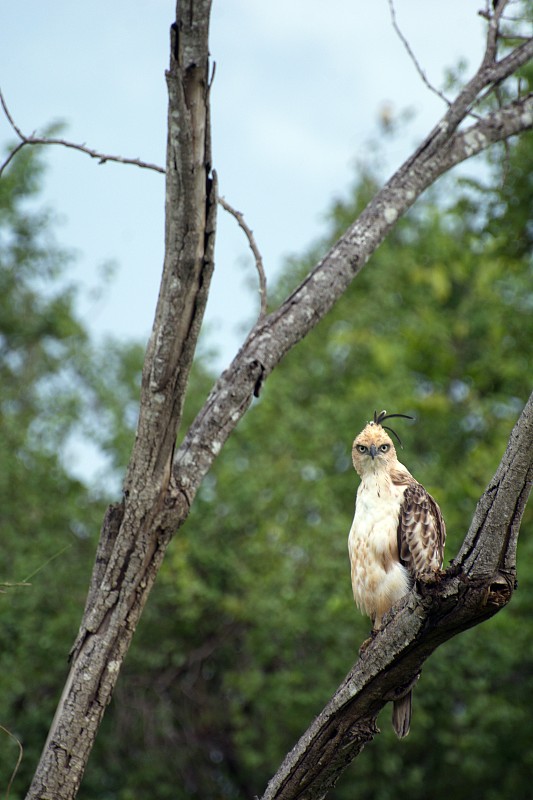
[(397, 534)]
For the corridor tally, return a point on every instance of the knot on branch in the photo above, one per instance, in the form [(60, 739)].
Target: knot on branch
[(360, 733), (258, 370), (501, 589), (177, 500)]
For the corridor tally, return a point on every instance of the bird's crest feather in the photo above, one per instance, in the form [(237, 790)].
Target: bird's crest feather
[(379, 418)]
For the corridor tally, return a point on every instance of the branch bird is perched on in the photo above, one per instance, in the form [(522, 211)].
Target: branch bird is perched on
[(397, 534)]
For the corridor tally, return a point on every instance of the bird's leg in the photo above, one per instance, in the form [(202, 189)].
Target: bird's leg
[(433, 575), (367, 642), (373, 633)]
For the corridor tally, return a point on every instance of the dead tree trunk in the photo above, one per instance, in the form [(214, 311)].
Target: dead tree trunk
[(136, 532)]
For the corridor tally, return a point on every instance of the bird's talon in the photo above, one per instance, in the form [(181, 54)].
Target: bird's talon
[(368, 641)]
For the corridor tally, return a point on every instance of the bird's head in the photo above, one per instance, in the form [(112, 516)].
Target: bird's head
[(373, 449)]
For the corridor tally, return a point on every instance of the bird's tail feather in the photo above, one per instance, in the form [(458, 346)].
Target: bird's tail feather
[(401, 714)]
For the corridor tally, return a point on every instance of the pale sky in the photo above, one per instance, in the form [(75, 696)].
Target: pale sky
[(298, 88)]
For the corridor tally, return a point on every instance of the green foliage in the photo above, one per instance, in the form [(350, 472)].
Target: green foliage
[(50, 391), (44, 512)]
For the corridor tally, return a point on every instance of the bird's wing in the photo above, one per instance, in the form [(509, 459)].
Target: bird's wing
[(421, 532)]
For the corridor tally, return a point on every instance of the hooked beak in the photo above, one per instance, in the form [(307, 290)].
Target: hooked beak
[(373, 451)]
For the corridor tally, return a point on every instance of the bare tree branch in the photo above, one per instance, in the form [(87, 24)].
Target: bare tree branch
[(495, 127), (494, 18), (11, 156), (412, 55), (18, 761), (46, 140), (239, 216)]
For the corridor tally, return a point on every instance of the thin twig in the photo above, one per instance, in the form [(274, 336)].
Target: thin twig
[(10, 585), (19, 759), (25, 582), (507, 149), (36, 140), (412, 55), (12, 154), (48, 561), (10, 118), (255, 250)]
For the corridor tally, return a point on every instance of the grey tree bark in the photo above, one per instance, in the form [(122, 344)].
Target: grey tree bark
[(161, 483)]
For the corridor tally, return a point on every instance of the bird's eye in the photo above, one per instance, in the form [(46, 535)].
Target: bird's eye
[(384, 448), (362, 448)]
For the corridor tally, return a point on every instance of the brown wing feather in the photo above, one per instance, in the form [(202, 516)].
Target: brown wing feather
[(421, 532)]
